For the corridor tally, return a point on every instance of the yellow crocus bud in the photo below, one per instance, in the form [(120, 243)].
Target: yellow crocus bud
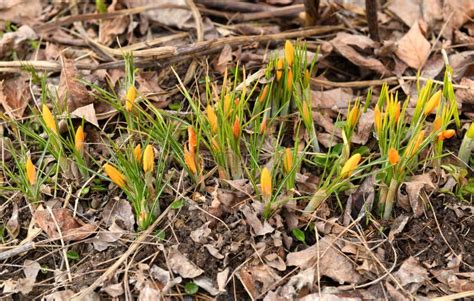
[(446, 134), (307, 77), (352, 116), (307, 116), (212, 118), (115, 175), (215, 145), (433, 103), (49, 119), (289, 80), (227, 102), (190, 160), (236, 128), (79, 139), (437, 124), (393, 110), (264, 94), (266, 183), (289, 52), (137, 152), (130, 98), (192, 139), (377, 119), (30, 171), (393, 156), (279, 69), (287, 160), (415, 143), (350, 165), (148, 159), (263, 126)]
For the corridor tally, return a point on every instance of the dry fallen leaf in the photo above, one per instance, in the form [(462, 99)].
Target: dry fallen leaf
[(88, 113), (411, 274), (341, 44), (110, 28), (14, 96), (416, 190), (13, 226), (119, 212), (71, 229), (13, 41), (334, 99), (224, 59), (181, 265), (331, 262), (413, 47), (20, 11), (72, 93)]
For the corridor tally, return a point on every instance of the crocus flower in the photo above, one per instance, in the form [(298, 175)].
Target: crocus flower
[(446, 134), (49, 119), (289, 53), (79, 139), (137, 152), (393, 156), (212, 118), (350, 165), (266, 183), (288, 160), (264, 94), (148, 158), (279, 69), (192, 139), (115, 175), (30, 171), (190, 160), (130, 98), (433, 103)]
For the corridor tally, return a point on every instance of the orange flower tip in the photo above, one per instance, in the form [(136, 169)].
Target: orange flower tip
[(148, 159), (263, 126), (437, 124), (289, 80), (137, 152), (433, 103), (307, 76), (393, 156), (279, 69), (289, 52), (266, 183), (307, 114), (353, 116), (447, 134), (236, 128), (215, 145), (115, 175), (192, 138), (288, 160), (227, 102), (49, 119), (350, 165), (130, 98), (79, 139), (264, 94), (212, 118), (30, 171), (190, 160)]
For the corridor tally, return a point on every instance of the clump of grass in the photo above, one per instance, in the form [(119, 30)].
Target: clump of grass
[(402, 140)]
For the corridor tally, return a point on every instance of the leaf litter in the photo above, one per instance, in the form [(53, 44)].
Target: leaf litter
[(220, 241)]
